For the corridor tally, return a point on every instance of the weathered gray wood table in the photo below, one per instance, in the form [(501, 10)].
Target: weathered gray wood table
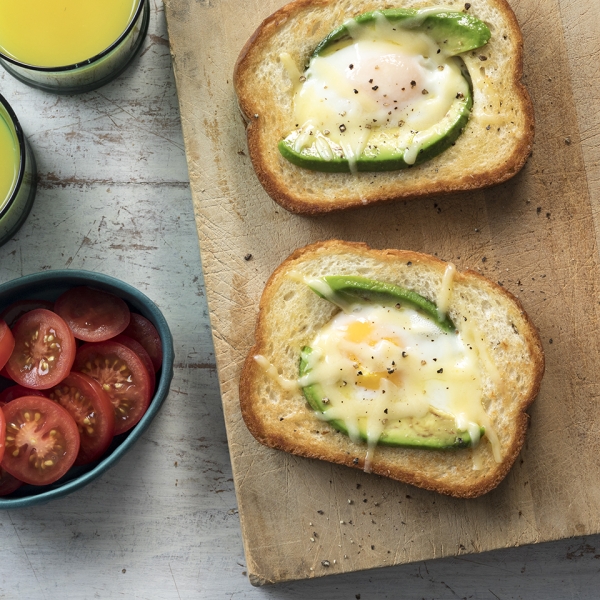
[(114, 197)]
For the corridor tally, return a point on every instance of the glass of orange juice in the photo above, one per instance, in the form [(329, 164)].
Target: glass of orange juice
[(17, 173), (70, 46)]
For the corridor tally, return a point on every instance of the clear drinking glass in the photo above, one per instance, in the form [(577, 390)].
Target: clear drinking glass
[(16, 191), (89, 74)]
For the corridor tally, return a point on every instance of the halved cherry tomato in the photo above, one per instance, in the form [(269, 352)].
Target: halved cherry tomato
[(122, 375), (141, 352), (93, 315), (92, 410), (142, 330), (7, 343), (18, 391), (12, 313), (44, 350), (8, 483), (42, 440), (2, 434)]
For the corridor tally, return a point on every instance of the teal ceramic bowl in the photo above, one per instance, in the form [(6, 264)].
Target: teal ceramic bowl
[(50, 285)]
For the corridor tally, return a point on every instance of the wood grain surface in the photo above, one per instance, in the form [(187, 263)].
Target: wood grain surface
[(536, 234), (163, 523)]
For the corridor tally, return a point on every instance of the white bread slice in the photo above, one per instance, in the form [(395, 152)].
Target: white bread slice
[(493, 147), (290, 316)]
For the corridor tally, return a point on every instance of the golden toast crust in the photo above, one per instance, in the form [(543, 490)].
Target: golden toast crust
[(289, 316), (493, 147)]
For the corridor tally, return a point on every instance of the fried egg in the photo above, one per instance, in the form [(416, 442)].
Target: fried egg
[(384, 79), (378, 365)]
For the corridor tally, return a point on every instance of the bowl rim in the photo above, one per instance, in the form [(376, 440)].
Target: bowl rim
[(136, 297)]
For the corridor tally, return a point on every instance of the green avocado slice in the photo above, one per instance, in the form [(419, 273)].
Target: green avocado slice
[(382, 153), (430, 432), (455, 32), (387, 148), (352, 288)]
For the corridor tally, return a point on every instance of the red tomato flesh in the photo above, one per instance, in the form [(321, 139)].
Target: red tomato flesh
[(44, 350), (93, 315), (92, 410), (2, 433), (7, 343), (122, 375), (12, 313), (42, 440), (17, 391), (143, 355), (142, 331), (8, 483)]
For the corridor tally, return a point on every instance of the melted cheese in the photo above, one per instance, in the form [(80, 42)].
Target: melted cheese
[(387, 79), (270, 370), (377, 365), (445, 293)]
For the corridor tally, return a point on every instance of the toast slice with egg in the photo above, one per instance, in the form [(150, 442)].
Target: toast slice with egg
[(489, 137), (393, 362)]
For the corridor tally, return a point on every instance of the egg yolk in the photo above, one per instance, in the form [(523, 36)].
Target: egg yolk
[(364, 332), (384, 76), (402, 86)]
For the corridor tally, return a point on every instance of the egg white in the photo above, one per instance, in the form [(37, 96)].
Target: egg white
[(384, 78), (378, 365)]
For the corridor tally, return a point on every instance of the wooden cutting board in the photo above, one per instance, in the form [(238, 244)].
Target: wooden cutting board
[(536, 234)]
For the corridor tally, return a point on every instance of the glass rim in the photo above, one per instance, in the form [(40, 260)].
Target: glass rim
[(88, 61), (22, 155)]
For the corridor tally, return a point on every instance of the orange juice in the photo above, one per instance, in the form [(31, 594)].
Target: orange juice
[(9, 161), (58, 33)]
